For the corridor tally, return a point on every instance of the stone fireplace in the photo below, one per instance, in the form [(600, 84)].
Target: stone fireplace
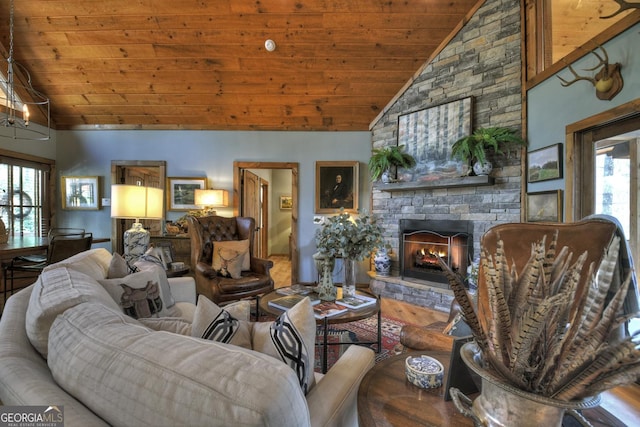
[(422, 242)]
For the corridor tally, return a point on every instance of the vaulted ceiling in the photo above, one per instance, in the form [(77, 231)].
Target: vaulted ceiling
[(197, 64)]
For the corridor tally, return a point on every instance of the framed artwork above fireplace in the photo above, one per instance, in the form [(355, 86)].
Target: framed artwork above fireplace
[(428, 135)]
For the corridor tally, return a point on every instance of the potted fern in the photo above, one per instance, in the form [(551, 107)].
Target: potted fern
[(383, 159), (473, 148)]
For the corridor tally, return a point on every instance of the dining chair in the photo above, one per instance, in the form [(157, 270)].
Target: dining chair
[(63, 243)]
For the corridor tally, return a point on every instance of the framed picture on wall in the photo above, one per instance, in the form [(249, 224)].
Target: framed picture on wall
[(286, 202), (181, 192), (545, 163), (336, 186), (80, 192), (544, 206), (428, 135)]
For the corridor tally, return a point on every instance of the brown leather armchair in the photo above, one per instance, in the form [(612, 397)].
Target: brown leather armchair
[(205, 232)]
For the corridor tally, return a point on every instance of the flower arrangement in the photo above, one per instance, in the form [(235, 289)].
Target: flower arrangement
[(347, 237)]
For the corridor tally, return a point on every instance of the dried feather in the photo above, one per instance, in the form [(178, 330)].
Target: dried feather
[(503, 321), (466, 305), (626, 376), (609, 360), (533, 324), (528, 280), (492, 284)]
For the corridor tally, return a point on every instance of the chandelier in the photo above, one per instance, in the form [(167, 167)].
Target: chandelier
[(19, 103)]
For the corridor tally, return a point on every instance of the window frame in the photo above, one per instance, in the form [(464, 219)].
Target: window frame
[(46, 187)]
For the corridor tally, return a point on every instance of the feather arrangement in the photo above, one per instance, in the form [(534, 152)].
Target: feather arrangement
[(541, 333)]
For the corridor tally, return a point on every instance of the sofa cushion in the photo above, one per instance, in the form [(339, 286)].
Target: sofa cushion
[(125, 373), (55, 291), (177, 325), (138, 294), (94, 263), (290, 338), (228, 325), (230, 263), (240, 246)]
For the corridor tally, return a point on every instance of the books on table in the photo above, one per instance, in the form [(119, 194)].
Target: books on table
[(295, 290), (356, 302), (288, 301), (327, 309)]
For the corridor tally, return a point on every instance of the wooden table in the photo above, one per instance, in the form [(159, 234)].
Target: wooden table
[(350, 315), (387, 398), (29, 245)]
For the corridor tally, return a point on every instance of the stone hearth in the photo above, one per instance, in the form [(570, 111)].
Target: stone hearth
[(417, 292)]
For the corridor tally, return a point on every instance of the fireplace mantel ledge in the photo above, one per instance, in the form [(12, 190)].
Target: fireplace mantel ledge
[(461, 181)]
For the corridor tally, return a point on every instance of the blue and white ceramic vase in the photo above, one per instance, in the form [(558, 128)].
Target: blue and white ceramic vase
[(382, 262)]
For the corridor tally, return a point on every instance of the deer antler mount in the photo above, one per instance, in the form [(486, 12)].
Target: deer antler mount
[(607, 81)]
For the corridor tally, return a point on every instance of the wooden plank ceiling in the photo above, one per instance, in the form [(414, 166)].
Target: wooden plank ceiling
[(197, 64)]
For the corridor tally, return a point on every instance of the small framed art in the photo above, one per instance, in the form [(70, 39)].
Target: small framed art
[(286, 202), (336, 186), (544, 206), (80, 192), (545, 163), (181, 192)]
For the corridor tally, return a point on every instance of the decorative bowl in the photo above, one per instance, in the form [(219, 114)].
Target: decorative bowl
[(424, 371)]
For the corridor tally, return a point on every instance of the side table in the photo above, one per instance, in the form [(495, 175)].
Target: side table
[(386, 398)]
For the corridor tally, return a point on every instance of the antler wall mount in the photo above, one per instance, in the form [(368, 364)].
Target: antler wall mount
[(607, 81)]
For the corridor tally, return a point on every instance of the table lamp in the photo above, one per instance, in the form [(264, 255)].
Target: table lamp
[(210, 199), (136, 202)]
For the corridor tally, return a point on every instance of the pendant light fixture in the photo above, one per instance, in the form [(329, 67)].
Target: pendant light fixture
[(19, 104)]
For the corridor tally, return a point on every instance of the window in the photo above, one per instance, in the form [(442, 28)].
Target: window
[(24, 202)]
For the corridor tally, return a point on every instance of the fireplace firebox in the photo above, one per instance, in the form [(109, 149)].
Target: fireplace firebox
[(422, 242)]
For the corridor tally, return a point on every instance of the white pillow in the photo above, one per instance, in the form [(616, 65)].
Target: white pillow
[(143, 265), (290, 338), (228, 325), (240, 246), (138, 294)]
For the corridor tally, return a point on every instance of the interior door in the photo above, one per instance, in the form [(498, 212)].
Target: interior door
[(251, 206)]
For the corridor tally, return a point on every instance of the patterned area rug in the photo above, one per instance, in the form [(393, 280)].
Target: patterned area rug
[(363, 330)]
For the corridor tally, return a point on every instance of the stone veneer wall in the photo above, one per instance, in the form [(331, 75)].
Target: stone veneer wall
[(483, 60)]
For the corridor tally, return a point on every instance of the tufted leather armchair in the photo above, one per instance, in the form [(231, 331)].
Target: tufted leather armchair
[(204, 232)]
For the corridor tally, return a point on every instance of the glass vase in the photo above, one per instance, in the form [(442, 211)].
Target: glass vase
[(349, 285)]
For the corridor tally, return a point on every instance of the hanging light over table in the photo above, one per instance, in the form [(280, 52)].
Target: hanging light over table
[(19, 104)]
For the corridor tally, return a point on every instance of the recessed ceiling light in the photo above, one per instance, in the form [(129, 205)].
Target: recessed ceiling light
[(270, 45)]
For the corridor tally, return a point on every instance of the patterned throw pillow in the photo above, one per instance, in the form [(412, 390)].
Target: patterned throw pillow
[(138, 294), (291, 338), (229, 325), (230, 262), (119, 267), (241, 246)]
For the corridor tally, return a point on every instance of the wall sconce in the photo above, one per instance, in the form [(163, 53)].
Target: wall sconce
[(608, 81), (210, 199)]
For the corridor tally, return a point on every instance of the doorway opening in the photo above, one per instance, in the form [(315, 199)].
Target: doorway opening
[(258, 188)]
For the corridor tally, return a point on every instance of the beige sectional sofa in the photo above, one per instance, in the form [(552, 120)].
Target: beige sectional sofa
[(106, 368)]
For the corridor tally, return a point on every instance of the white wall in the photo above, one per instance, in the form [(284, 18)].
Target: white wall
[(210, 154)]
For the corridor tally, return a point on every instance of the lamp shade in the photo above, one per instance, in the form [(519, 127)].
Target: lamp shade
[(212, 198), (136, 202)]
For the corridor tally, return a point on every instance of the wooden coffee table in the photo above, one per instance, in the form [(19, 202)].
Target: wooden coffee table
[(386, 398), (350, 315)]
